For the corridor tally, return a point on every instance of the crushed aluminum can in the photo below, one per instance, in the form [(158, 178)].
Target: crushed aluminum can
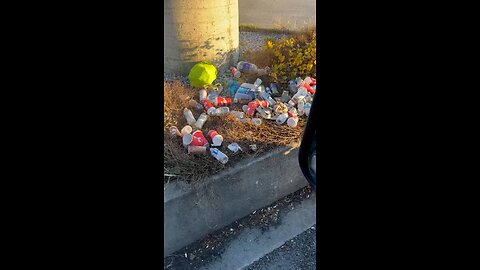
[(253, 147)]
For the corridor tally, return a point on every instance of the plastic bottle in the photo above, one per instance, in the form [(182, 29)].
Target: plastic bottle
[(267, 97), (189, 116), (194, 104), (212, 96), (281, 118), (221, 111), (302, 92), (307, 107), (257, 83), (265, 113), (202, 93), (219, 155), (237, 114), (244, 93), (201, 120), (292, 87), (273, 89), (301, 110), (244, 66), (285, 96)]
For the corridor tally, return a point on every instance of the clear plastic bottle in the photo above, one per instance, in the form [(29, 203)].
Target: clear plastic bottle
[(274, 89), (219, 155), (307, 107), (202, 93), (257, 83), (281, 118), (267, 97), (292, 87), (201, 120), (285, 96), (194, 104), (301, 109), (189, 116), (237, 114), (221, 111)]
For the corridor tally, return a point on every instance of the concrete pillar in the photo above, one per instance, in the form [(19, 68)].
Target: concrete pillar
[(200, 30)]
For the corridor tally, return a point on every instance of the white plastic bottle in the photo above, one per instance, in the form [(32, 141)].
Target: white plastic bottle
[(219, 155)]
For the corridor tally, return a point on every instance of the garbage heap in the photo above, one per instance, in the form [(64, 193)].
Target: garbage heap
[(248, 103)]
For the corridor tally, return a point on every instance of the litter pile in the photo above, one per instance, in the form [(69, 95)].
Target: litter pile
[(241, 105)]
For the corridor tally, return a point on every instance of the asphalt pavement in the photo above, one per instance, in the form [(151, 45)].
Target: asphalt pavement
[(298, 253)]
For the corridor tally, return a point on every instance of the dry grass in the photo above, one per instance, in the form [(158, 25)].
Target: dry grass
[(178, 165)]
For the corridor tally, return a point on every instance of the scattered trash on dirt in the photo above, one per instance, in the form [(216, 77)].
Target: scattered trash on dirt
[(236, 110)]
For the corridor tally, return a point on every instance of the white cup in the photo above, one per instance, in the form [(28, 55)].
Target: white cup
[(292, 121), (186, 130)]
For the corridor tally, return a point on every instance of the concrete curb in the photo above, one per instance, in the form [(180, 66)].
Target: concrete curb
[(193, 211)]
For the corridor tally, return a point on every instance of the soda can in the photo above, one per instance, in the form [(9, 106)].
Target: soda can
[(223, 101), (198, 139), (194, 150), (208, 106), (235, 72), (174, 131), (217, 139)]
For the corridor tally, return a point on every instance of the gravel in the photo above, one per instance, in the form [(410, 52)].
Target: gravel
[(248, 41)]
